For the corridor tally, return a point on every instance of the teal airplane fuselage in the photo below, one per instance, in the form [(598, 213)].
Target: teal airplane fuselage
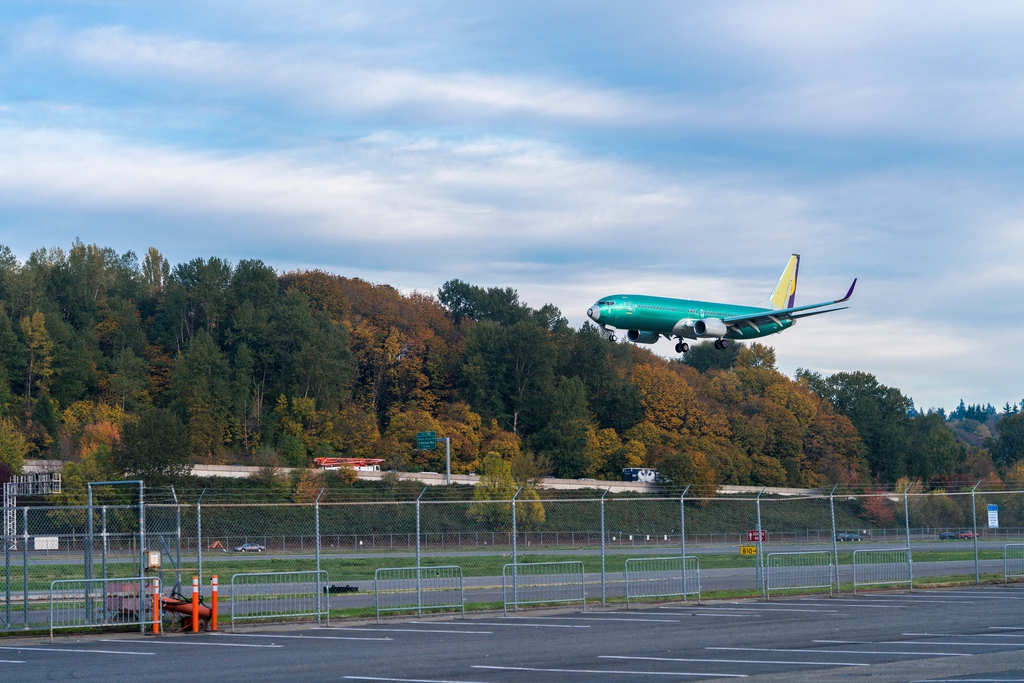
[(676, 317), (649, 318)]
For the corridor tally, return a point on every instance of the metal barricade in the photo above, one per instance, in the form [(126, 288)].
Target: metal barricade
[(662, 577), (416, 589), (93, 603), (798, 570), (279, 595), (1013, 562), (882, 568), (538, 583)]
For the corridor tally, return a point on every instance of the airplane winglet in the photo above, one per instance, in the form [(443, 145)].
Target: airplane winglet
[(848, 294)]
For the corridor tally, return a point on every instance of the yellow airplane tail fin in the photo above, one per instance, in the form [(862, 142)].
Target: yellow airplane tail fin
[(784, 294)]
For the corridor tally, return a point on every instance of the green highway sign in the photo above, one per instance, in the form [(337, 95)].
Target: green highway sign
[(426, 441)]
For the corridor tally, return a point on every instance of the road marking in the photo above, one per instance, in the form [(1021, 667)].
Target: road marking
[(404, 680), (186, 642), (965, 635), (660, 621), (398, 630), (67, 649), (763, 609), (842, 652), (743, 615), (730, 661), (11, 661), (841, 603), (538, 625), (267, 635), (906, 642), (601, 671), (1006, 628)]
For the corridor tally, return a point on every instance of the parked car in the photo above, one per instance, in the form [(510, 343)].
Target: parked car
[(250, 548), (949, 535), (844, 538)]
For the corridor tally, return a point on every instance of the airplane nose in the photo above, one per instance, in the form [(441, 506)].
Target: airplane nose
[(594, 313)]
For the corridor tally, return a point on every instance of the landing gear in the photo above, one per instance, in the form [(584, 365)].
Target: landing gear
[(721, 344), (682, 347), (612, 338)]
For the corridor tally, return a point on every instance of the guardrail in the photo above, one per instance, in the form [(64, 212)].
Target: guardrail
[(662, 577), (882, 568), (94, 603), (540, 583), (1013, 562), (279, 595), (798, 571), (408, 589)]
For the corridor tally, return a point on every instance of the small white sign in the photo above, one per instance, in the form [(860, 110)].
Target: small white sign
[(993, 516), (45, 543)]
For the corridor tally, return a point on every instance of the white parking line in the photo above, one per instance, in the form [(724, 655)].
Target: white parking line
[(601, 671), (404, 680), (185, 642), (268, 635), (742, 615), (764, 609), (730, 661), (907, 642), (842, 603), (660, 621), (68, 649), (965, 635), (841, 652), (1006, 628), (537, 625), (11, 661), (399, 630)]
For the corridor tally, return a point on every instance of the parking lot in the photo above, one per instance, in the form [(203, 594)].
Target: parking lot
[(946, 635)]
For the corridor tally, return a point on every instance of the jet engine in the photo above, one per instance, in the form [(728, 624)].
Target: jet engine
[(642, 337), (710, 327)]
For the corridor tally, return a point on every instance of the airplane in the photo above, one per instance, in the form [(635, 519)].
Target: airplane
[(649, 318)]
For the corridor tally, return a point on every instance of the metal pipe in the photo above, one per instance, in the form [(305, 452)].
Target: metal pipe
[(602, 545), (177, 551), (760, 546), (974, 518), (835, 548), (419, 576), (906, 522), (199, 533), (515, 560), (682, 533), (24, 564), (316, 524)]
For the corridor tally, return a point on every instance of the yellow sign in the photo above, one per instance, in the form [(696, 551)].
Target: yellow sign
[(748, 550)]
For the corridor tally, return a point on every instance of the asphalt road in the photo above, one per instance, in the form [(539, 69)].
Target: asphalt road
[(938, 635)]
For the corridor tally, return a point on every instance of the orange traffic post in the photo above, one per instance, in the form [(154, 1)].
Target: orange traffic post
[(156, 606), (195, 604), (213, 602)]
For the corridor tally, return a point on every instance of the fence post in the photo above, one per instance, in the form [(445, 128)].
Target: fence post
[(87, 555), (515, 560), (316, 528), (199, 533), (906, 522), (24, 564), (419, 578), (760, 546), (7, 571), (835, 548), (602, 544), (682, 533), (974, 518)]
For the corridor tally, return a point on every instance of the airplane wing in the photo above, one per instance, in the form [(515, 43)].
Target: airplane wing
[(768, 315)]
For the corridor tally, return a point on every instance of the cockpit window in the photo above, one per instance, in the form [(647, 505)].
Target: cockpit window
[(605, 303)]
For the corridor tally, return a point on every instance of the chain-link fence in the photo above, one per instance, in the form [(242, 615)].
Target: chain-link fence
[(950, 535)]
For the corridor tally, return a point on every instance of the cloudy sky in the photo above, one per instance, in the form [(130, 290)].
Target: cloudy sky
[(569, 150)]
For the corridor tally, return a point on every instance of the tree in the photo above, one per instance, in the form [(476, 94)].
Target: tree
[(40, 354), (13, 447), (497, 484), (564, 440), (705, 356), (156, 450), (878, 412), (1008, 446), (689, 468), (934, 451)]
